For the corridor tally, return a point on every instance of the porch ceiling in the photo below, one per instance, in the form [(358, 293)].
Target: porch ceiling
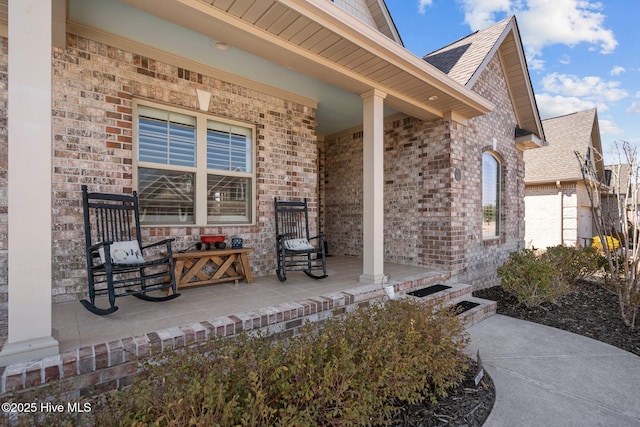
[(319, 39)]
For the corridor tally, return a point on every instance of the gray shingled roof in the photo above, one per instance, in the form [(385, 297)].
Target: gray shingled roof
[(460, 60), (621, 172), (466, 59), (565, 134)]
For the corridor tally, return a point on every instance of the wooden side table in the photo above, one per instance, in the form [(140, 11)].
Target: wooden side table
[(191, 268)]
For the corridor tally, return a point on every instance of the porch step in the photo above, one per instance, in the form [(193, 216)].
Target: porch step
[(472, 309), (482, 309)]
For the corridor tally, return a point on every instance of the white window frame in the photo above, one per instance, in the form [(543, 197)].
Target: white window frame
[(201, 171)]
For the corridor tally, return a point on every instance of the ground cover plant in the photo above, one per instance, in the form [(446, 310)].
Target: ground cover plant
[(353, 371)]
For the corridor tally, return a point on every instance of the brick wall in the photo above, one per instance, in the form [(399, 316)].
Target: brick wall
[(97, 369), (483, 256), (416, 154), (343, 194), (431, 218)]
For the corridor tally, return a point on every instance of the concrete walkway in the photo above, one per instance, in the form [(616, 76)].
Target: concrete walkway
[(548, 377)]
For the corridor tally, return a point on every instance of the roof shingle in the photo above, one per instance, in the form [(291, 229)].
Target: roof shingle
[(566, 135), (461, 59)]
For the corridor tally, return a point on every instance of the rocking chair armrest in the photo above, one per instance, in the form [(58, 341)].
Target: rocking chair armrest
[(99, 245), (320, 237), (159, 243)]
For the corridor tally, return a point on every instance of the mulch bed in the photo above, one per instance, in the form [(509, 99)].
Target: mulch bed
[(467, 405), (591, 311)]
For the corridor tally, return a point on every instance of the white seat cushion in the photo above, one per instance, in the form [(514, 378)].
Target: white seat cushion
[(298, 245), (126, 252)]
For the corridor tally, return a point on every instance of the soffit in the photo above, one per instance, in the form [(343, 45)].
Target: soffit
[(518, 80), (319, 39)]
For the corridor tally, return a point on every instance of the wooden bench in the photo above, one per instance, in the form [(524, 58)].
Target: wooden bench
[(195, 268)]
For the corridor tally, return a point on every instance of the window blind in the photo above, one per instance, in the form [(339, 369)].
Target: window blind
[(166, 138)]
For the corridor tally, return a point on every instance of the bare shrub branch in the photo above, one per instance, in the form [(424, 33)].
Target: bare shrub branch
[(615, 216)]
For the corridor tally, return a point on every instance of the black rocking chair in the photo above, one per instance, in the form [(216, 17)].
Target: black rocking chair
[(117, 262), (297, 251)]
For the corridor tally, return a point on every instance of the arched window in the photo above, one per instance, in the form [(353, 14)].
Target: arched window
[(491, 205)]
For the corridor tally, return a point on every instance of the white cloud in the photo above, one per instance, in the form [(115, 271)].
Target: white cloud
[(544, 23), (590, 87), (565, 60), (557, 105), (608, 127), (617, 70), (422, 4), (480, 14), (535, 63), (634, 108)]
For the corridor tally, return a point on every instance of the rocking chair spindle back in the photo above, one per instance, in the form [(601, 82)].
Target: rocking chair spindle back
[(117, 262), (296, 249)]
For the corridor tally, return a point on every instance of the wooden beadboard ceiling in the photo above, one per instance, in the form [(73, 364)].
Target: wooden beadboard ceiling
[(319, 39)]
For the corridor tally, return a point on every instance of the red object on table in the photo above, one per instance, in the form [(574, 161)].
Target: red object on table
[(211, 239)]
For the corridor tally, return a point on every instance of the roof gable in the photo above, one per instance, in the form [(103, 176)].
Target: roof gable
[(566, 135), (373, 13), (466, 59)]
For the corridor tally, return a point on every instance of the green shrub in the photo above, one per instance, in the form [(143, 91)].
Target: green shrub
[(350, 372), (574, 263), (532, 278)]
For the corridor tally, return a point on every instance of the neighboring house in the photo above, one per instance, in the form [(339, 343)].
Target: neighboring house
[(557, 206), (623, 196), (230, 103)]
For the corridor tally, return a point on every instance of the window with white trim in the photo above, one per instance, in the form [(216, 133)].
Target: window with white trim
[(193, 168), (491, 206)]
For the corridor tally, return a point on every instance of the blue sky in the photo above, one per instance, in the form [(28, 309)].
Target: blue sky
[(581, 54)]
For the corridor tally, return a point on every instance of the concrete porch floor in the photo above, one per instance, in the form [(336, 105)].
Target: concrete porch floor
[(75, 327)]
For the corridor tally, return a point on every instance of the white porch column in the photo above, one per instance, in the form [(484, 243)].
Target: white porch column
[(29, 240), (373, 183)]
